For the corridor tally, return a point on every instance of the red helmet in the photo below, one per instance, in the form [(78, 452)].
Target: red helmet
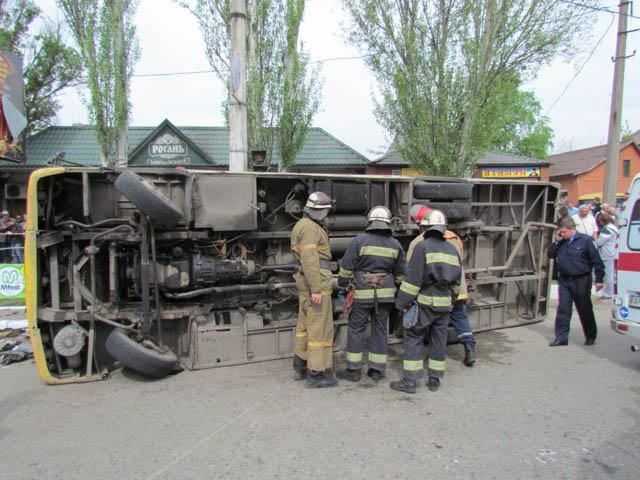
[(418, 212)]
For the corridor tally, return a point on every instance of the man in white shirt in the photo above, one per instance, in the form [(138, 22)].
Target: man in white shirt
[(585, 222)]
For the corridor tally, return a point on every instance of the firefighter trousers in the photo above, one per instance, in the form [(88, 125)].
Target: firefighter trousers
[(355, 340), (314, 330), (434, 324), (460, 322)]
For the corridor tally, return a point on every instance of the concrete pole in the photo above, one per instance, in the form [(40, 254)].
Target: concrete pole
[(238, 88), (613, 150)]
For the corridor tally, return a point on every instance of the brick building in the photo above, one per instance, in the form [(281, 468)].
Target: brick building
[(581, 172)]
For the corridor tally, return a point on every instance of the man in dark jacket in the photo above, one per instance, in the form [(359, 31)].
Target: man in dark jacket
[(576, 257), (374, 262), (433, 281)]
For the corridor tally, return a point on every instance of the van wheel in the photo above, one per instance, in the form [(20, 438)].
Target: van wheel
[(148, 199), (453, 211), (442, 191), (138, 357)]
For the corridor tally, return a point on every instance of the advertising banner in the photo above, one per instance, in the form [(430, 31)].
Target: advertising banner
[(12, 282)]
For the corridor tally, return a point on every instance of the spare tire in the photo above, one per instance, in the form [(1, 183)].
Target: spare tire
[(453, 211), (148, 199), (139, 358), (442, 191)]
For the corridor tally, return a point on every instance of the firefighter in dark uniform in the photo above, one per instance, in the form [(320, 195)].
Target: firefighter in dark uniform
[(374, 263), (433, 281), (576, 257), (313, 357), (458, 317)]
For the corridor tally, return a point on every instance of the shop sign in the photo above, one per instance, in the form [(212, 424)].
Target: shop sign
[(510, 172), (168, 149)]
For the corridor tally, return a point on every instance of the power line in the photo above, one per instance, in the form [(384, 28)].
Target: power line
[(598, 9), (595, 47), (200, 72)]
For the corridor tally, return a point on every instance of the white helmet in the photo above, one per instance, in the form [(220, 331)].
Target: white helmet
[(318, 205), (379, 218), (435, 220), (318, 201)]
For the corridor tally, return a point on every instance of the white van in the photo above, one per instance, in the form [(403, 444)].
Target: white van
[(626, 304)]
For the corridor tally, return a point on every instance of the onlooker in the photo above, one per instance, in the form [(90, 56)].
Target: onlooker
[(563, 212), (6, 225), (576, 257), (572, 208), (17, 240), (595, 206), (584, 221), (607, 242)]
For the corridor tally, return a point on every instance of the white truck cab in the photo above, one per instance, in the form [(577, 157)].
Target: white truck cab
[(625, 315)]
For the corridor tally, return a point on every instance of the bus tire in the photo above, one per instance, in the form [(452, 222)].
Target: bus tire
[(453, 211), (139, 358), (148, 199), (442, 191)]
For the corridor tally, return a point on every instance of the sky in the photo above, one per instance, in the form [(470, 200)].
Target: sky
[(170, 41)]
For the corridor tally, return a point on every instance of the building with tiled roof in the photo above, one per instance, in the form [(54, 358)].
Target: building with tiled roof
[(490, 165), (202, 147), (582, 172)]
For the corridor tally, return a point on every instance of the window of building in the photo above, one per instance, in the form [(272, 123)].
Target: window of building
[(396, 171), (626, 168)]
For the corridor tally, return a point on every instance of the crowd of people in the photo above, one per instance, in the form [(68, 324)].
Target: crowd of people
[(12, 237), (598, 221)]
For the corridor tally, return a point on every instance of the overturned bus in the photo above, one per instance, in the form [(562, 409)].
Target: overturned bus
[(155, 268)]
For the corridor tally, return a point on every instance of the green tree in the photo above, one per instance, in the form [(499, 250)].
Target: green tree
[(282, 93), (105, 34), (50, 66), (443, 65)]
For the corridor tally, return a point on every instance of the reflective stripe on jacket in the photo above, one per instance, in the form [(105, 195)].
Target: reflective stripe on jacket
[(375, 252), (433, 275), (454, 240)]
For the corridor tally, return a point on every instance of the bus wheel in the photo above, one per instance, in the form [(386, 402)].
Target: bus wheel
[(141, 358), (148, 199)]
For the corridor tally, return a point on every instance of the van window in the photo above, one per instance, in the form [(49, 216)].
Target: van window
[(634, 227)]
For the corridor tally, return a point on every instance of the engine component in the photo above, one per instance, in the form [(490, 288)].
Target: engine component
[(69, 341), (197, 271)]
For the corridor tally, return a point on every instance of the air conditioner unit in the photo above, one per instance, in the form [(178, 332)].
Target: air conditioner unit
[(13, 191)]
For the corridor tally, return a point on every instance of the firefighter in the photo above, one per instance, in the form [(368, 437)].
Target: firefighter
[(374, 263), (459, 318), (313, 358), (433, 281)]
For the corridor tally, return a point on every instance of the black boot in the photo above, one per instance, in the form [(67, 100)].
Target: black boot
[(433, 383), (405, 385), (299, 374), (375, 375), (469, 354), (350, 375), (320, 380)]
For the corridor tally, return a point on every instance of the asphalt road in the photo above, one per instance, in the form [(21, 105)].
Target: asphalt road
[(524, 411)]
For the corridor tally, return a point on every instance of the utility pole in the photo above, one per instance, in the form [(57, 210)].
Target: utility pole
[(238, 90), (613, 150)]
